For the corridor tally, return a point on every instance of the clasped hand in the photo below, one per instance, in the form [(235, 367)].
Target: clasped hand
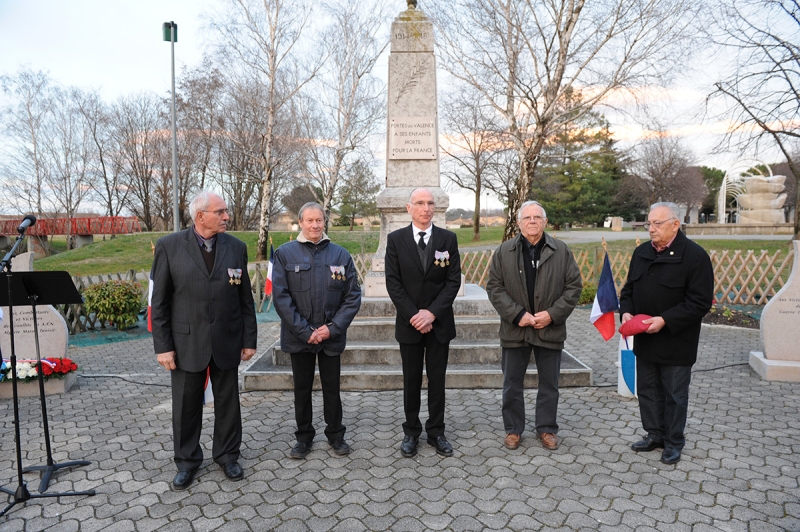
[(656, 323), (423, 321), (319, 335), (540, 320)]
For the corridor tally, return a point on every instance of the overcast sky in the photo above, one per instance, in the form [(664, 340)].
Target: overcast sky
[(116, 46)]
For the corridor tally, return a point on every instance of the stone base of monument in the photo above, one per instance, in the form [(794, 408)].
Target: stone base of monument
[(739, 229), (774, 370), (52, 386), (372, 361)]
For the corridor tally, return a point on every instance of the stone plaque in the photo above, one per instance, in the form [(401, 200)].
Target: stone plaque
[(412, 138), (780, 317), (53, 333)]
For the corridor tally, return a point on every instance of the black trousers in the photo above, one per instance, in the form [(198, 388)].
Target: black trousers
[(187, 416), (548, 366), (329, 373), (663, 401), (433, 355)]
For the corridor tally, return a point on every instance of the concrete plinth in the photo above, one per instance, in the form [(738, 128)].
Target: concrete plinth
[(774, 370)]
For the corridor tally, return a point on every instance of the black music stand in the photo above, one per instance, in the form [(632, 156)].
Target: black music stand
[(32, 289)]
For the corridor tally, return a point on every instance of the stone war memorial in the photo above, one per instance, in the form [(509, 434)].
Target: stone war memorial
[(371, 360)]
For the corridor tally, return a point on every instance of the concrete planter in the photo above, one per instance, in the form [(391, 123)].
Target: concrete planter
[(31, 389)]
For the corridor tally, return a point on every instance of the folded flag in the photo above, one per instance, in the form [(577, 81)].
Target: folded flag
[(150, 302), (605, 303)]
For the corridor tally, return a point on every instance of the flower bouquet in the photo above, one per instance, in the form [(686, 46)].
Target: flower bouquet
[(57, 368)]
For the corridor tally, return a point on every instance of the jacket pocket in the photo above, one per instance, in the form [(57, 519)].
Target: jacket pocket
[(335, 281), (672, 281), (298, 276)]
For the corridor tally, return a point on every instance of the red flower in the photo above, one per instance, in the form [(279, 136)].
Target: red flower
[(46, 370)]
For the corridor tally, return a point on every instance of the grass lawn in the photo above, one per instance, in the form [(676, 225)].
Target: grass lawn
[(135, 252)]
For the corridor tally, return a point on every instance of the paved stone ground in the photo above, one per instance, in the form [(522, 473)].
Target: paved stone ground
[(739, 472)]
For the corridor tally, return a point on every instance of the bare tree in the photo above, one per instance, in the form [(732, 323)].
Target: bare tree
[(346, 103), (523, 54), (136, 129), (25, 120), (763, 89), (473, 142), (663, 165), (263, 37), (105, 167)]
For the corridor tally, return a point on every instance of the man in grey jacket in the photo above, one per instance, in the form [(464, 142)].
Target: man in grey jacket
[(534, 284), (316, 294)]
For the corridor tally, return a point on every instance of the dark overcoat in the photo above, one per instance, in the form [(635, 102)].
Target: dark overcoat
[(679, 287), (412, 289)]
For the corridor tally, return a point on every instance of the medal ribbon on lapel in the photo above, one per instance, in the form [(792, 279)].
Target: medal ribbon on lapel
[(337, 272), (235, 275), (442, 258)]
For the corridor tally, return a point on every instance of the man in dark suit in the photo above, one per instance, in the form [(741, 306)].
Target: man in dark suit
[(423, 275), (203, 324), (670, 279)]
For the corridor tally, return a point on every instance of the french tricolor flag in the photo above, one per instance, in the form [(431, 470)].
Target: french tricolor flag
[(605, 303), (268, 282)]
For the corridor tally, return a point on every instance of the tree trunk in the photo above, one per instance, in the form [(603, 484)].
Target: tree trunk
[(476, 217)]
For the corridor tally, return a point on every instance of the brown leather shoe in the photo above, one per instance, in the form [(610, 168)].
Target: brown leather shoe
[(550, 441), (512, 441)]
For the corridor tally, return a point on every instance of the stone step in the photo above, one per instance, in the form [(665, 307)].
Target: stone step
[(381, 353), (263, 375), (474, 302), (382, 329)]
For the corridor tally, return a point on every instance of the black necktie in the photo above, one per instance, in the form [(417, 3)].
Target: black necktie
[(421, 242)]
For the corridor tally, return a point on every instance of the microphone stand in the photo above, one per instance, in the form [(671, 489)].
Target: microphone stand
[(21, 494)]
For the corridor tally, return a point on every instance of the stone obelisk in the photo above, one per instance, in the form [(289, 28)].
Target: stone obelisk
[(412, 147)]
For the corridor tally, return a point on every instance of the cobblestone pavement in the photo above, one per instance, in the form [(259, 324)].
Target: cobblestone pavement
[(739, 471)]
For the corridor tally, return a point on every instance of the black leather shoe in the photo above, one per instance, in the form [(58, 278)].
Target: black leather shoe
[(670, 456), (646, 445), (183, 479), (300, 450), (233, 470), (340, 447), (443, 447), (409, 446)]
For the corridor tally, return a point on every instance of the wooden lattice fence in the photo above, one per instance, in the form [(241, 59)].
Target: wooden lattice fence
[(740, 277)]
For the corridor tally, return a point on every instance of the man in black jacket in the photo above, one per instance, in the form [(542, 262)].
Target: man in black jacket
[(423, 275), (204, 321), (316, 294), (671, 279)]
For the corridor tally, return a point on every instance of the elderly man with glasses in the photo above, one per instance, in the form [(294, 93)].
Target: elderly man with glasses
[(534, 284), (204, 323), (671, 281)]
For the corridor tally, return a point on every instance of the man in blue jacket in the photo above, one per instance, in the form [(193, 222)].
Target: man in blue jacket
[(316, 294)]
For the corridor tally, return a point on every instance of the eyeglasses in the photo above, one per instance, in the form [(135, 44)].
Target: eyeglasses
[(537, 219), (219, 212), (422, 204), (657, 224)]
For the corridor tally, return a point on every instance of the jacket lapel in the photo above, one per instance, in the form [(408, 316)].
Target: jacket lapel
[(221, 250), (411, 247), (435, 243), (193, 250)]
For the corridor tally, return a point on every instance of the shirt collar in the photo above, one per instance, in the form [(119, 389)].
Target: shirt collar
[(418, 230), (302, 239), (201, 240), (661, 250)]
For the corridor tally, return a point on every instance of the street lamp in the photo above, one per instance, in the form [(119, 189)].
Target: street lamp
[(171, 35)]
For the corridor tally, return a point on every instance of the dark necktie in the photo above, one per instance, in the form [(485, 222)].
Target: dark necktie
[(421, 242)]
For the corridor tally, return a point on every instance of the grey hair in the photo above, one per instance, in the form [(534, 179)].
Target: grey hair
[(200, 203), (310, 205), (676, 211), (528, 204)]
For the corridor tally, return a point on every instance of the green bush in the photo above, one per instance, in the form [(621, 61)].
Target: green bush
[(117, 302), (587, 294)]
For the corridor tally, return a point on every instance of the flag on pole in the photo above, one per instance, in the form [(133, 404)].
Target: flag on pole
[(150, 302), (268, 282), (605, 302)]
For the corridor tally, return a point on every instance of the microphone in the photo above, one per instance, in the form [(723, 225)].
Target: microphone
[(28, 221)]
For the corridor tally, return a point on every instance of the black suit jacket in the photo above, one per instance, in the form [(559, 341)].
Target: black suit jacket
[(199, 314), (412, 290)]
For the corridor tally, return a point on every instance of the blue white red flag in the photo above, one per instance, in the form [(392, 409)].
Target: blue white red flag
[(605, 303), (268, 282)]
